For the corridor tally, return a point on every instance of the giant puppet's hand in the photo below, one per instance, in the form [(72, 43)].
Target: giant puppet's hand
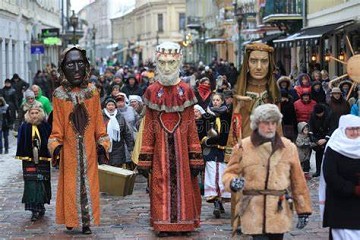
[(55, 160)]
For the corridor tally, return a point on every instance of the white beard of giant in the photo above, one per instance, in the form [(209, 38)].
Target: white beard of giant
[(168, 79)]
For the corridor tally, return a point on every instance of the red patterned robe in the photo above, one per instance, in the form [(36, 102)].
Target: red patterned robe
[(170, 147)]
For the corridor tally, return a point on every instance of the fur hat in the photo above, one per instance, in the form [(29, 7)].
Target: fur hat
[(265, 113)]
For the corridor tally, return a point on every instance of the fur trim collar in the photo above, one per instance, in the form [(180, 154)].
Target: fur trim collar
[(258, 140)]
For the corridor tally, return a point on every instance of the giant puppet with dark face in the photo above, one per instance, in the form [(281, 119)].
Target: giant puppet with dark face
[(76, 134), (170, 146)]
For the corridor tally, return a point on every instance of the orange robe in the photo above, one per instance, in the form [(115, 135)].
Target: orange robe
[(170, 147), (77, 200)]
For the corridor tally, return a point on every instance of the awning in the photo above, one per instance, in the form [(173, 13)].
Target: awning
[(216, 40), (270, 38), (309, 36)]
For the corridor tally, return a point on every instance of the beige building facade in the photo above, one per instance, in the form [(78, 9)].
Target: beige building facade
[(138, 31), (21, 23)]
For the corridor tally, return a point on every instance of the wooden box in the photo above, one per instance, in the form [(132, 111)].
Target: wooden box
[(116, 181)]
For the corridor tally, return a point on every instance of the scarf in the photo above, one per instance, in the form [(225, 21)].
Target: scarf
[(113, 127), (340, 143), (204, 91), (217, 111)]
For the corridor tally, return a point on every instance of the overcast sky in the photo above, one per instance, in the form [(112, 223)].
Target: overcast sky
[(77, 5)]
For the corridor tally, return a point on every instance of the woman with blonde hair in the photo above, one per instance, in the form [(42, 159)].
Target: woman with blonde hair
[(32, 150)]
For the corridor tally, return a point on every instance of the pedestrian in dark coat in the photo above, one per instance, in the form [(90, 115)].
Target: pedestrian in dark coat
[(319, 125), (203, 92), (285, 83), (11, 99), (341, 189), (131, 87), (6, 124), (20, 86), (339, 106), (214, 153), (118, 132), (317, 92), (289, 116)]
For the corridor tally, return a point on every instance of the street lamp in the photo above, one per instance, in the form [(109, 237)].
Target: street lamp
[(74, 20), (93, 31), (202, 32), (239, 15), (157, 38)]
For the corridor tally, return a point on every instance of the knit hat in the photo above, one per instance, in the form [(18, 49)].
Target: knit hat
[(319, 108), (109, 100), (135, 98), (115, 86), (335, 90), (265, 113), (29, 94)]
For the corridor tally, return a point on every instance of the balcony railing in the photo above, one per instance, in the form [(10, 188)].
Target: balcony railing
[(283, 7)]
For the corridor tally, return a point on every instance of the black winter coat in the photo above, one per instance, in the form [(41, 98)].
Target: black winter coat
[(117, 155), (134, 90), (320, 127), (342, 205)]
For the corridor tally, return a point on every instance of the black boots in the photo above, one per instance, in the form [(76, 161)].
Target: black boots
[(86, 230), (217, 210), (222, 210), (35, 216)]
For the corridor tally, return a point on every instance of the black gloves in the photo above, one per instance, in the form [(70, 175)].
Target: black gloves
[(237, 184), (302, 221)]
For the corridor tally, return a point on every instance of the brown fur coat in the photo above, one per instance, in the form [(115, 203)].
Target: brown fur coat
[(254, 162)]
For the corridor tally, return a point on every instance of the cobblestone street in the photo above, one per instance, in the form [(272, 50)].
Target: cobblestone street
[(122, 217)]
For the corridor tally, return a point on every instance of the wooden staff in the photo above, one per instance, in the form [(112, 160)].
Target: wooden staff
[(336, 79), (351, 89), (349, 44), (338, 60)]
